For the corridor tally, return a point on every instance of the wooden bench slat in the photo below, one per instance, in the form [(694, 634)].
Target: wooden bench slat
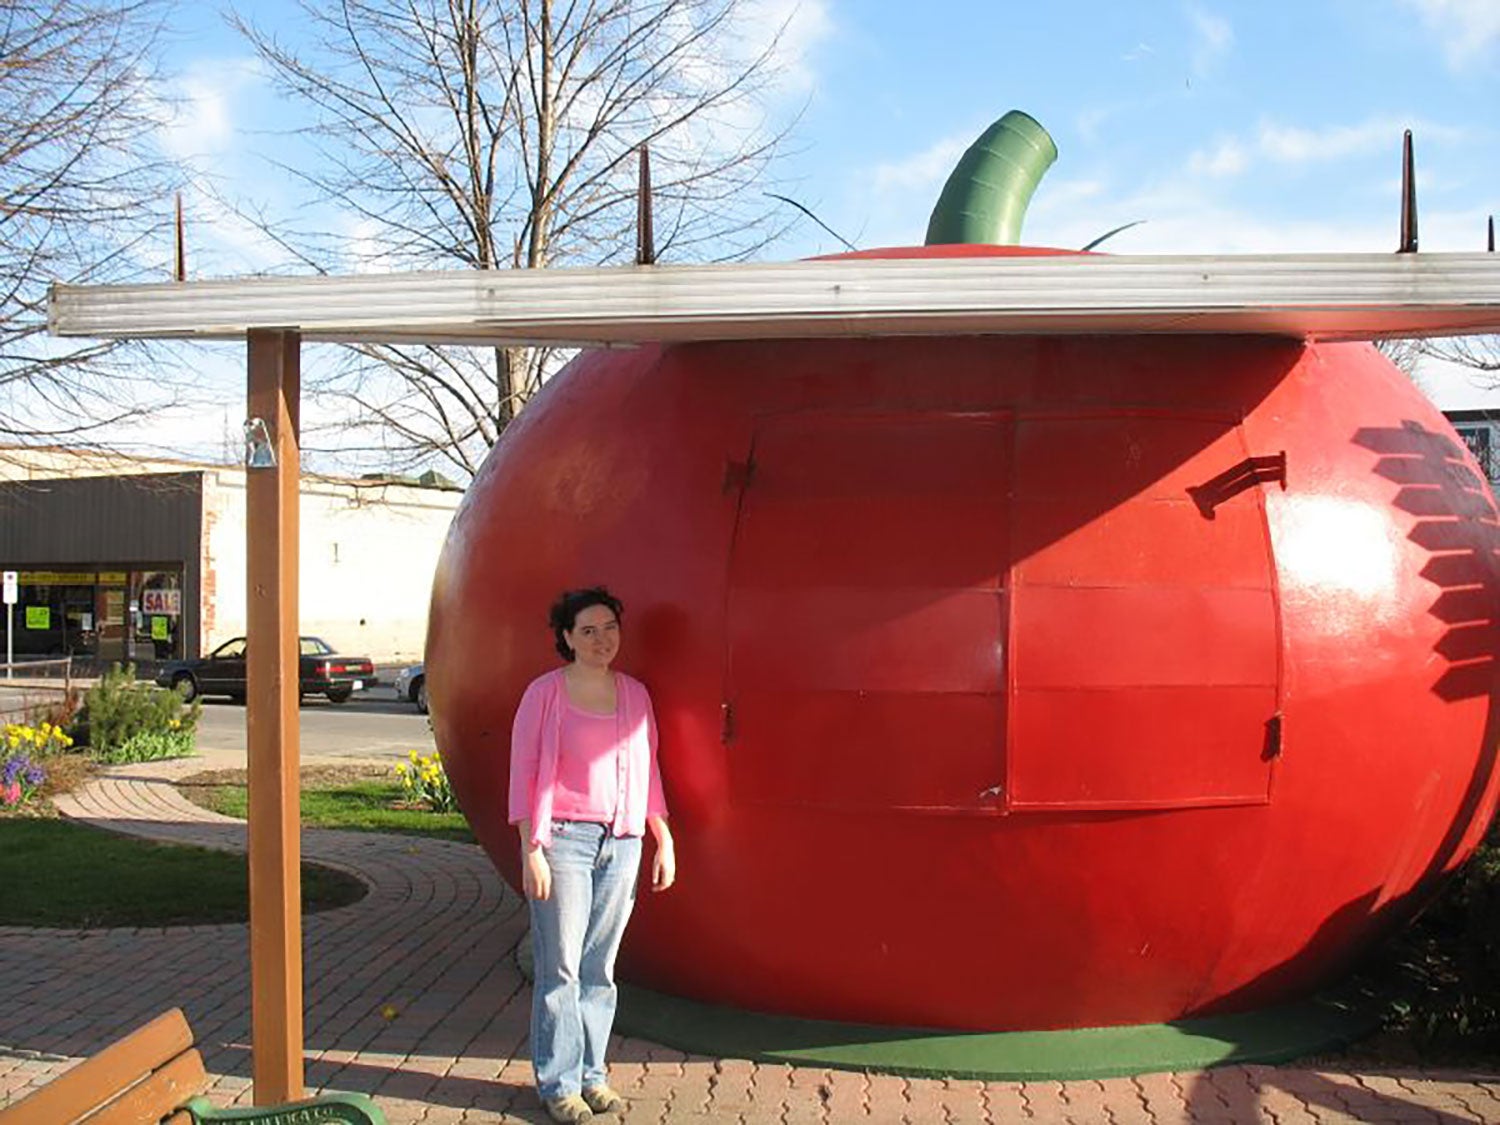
[(149, 1101), (75, 1092), (155, 1075)]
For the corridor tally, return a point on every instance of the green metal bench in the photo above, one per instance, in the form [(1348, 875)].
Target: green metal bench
[(155, 1075)]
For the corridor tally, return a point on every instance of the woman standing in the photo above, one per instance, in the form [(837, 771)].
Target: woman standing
[(584, 787)]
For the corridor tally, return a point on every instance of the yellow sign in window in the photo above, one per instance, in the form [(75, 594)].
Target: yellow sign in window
[(38, 617), (159, 629)]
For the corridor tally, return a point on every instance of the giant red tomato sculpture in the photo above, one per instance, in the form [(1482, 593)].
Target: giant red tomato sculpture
[(1002, 682)]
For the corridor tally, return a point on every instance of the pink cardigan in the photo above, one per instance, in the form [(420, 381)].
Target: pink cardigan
[(534, 744)]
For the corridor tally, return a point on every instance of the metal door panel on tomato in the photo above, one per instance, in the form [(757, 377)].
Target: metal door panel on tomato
[(1145, 653), (866, 603)]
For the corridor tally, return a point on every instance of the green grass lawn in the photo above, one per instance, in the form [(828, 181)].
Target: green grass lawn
[(371, 804), (54, 873)]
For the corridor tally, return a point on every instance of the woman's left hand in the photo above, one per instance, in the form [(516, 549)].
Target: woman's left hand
[(664, 865)]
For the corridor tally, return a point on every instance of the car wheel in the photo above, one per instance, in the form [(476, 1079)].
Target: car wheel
[(339, 695), (419, 695), (184, 685)]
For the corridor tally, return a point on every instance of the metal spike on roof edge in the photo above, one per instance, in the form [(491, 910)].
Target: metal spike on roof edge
[(179, 257), (1408, 198), (645, 244)]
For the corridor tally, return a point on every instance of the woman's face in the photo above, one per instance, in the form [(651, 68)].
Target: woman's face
[(595, 636)]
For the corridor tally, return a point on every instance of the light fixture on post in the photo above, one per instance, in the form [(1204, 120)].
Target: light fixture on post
[(259, 453)]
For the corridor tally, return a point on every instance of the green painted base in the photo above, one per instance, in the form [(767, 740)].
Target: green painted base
[(1269, 1035)]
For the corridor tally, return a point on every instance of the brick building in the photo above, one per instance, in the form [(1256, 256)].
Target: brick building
[(128, 559)]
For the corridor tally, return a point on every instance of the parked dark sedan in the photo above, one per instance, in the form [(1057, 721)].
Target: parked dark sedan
[(222, 672)]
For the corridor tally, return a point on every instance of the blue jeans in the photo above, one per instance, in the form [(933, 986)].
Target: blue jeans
[(575, 935)]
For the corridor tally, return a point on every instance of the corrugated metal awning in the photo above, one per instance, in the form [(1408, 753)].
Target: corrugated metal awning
[(1312, 296)]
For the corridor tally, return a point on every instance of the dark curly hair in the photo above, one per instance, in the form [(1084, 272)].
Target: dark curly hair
[(564, 613)]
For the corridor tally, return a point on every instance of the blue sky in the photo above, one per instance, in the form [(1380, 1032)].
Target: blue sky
[(1226, 127)]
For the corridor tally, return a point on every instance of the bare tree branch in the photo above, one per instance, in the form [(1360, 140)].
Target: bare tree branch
[(493, 134), (1481, 354), (1404, 353), (81, 191)]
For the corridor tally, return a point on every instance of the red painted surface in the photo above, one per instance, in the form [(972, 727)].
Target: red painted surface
[(998, 686)]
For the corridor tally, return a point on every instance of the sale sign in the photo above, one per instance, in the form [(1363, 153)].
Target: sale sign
[(168, 602)]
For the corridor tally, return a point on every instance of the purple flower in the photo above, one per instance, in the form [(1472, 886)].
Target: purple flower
[(18, 769)]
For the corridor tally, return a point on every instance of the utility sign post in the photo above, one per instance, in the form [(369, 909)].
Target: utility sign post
[(10, 620)]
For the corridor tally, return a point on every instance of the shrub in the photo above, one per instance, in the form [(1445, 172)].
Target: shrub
[(425, 782), (1442, 973), (128, 721), (150, 746)]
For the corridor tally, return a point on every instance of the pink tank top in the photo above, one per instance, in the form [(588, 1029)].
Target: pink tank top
[(590, 765)]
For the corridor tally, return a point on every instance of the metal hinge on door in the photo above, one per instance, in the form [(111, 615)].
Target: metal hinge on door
[(1273, 736)]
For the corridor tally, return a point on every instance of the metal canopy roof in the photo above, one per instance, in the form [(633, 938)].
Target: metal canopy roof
[(1312, 296)]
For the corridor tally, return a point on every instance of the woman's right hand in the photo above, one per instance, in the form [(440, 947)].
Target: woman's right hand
[(536, 876)]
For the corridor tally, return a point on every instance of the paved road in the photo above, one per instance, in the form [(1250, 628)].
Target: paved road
[(374, 724)]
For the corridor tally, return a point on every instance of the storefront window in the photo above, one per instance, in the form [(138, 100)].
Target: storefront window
[(110, 615), (51, 614)]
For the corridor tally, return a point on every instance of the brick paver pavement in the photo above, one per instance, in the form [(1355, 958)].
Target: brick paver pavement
[(413, 996)]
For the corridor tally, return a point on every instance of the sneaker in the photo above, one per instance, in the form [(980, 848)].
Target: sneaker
[(602, 1099), (569, 1110)]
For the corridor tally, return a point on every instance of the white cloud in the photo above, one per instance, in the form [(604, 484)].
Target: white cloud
[(803, 25), (198, 120), (779, 35), (1186, 222), (1068, 193), (222, 242), (1228, 158), (1090, 121), (366, 248), (926, 169), (1291, 144), (1294, 144), (1187, 216), (1212, 38), (1199, 207), (777, 39), (1467, 29), (892, 198)]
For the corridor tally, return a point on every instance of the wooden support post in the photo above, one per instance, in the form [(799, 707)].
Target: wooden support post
[(271, 704)]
